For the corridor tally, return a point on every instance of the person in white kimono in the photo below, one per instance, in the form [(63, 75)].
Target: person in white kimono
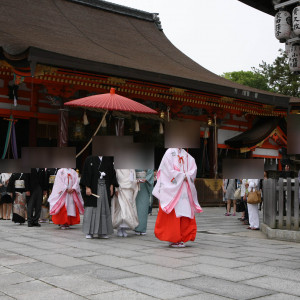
[(123, 206), (177, 195), (253, 185), (66, 203)]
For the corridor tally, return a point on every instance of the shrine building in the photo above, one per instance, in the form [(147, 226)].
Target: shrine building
[(62, 50)]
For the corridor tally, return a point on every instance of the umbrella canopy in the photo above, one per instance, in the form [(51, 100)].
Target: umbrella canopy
[(121, 106), (112, 102)]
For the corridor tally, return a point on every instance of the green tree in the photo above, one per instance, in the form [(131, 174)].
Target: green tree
[(275, 77), (249, 78), (279, 77)]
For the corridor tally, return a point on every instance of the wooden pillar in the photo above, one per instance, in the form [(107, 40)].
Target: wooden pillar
[(32, 132), (63, 128), (211, 156), (33, 121)]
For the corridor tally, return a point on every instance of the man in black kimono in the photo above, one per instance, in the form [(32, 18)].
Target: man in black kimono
[(98, 180), (38, 187)]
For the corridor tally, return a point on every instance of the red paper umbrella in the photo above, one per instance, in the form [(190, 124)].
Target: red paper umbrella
[(113, 102), (120, 106)]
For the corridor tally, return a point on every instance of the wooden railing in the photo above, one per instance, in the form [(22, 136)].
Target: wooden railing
[(281, 203)]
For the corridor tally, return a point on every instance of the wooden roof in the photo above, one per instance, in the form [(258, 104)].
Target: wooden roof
[(105, 38), (260, 130), (265, 6)]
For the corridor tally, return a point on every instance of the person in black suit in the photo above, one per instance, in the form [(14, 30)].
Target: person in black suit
[(38, 187)]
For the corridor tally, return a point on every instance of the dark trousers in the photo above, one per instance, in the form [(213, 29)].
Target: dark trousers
[(34, 205), (246, 210)]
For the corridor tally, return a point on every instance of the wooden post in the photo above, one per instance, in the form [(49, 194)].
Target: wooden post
[(210, 151), (63, 128), (273, 201), (269, 196), (33, 121), (296, 204), (280, 203), (288, 203)]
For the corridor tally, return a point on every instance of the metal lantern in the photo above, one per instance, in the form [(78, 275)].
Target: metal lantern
[(282, 25), (296, 20), (294, 58)]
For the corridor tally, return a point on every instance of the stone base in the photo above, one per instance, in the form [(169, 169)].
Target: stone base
[(279, 234)]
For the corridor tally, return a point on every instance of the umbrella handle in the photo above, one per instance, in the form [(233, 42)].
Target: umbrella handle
[(93, 134)]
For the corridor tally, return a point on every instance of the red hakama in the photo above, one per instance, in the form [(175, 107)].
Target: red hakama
[(62, 218), (172, 229)]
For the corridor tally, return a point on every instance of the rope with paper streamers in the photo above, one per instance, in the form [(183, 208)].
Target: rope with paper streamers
[(10, 138)]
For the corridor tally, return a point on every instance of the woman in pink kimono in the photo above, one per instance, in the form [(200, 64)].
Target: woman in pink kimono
[(66, 203), (177, 196)]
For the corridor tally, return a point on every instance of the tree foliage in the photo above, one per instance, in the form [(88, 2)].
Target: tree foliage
[(280, 78), (275, 77), (248, 78)]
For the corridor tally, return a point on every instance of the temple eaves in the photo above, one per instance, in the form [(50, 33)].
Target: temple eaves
[(120, 9), (265, 6)]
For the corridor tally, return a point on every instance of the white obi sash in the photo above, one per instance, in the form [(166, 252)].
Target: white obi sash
[(20, 184), (141, 175)]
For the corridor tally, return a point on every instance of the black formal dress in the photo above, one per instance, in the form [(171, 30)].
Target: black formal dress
[(17, 185)]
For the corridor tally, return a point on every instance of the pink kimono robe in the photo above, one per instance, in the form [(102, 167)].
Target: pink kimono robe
[(66, 207), (177, 195)]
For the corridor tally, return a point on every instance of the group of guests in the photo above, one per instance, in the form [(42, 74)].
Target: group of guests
[(63, 196), (23, 195), (114, 199), (109, 199), (250, 212)]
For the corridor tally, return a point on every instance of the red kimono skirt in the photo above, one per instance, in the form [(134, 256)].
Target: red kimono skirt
[(62, 218), (172, 229)]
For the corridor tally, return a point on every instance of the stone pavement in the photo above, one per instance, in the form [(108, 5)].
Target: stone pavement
[(226, 261)]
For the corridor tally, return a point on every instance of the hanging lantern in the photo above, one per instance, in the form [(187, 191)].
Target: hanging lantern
[(137, 126), (294, 58), (282, 26), (296, 20), (161, 128), (78, 131), (288, 49), (85, 119), (288, 46)]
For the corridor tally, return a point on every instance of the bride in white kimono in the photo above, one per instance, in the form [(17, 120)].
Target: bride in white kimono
[(123, 207)]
